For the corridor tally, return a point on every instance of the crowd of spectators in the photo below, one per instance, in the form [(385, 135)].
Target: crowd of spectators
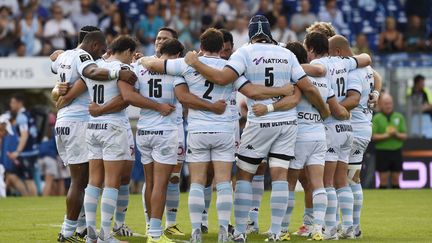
[(37, 27)]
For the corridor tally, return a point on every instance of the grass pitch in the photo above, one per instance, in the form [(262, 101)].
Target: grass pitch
[(387, 216)]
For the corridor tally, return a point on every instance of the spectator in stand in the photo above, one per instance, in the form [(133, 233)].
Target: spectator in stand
[(420, 95), (69, 7), (196, 9), (148, 28), (277, 10), (85, 16), (211, 18), (361, 45), (117, 26), (183, 26), (389, 132), (12, 5), (227, 9), (7, 31), (59, 30), (281, 33), (415, 36), (333, 15), (30, 29), (240, 33), (390, 40), (20, 49), (300, 21)]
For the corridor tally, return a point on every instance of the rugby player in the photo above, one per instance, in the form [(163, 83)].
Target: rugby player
[(72, 119), (339, 134), (272, 135), (366, 82)]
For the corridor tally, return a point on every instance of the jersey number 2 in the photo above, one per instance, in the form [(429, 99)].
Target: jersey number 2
[(155, 88), (210, 86), (98, 94)]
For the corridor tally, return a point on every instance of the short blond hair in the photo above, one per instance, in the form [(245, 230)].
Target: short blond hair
[(324, 28)]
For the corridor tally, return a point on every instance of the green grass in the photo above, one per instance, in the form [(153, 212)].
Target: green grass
[(388, 216)]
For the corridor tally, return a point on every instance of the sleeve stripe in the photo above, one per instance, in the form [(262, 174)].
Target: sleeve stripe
[(165, 66), (228, 66), (179, 84), (356, 61), (302, 77), (330, 97), (247, 82), (354, 90)]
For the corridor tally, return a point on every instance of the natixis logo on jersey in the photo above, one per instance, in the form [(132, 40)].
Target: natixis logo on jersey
[(334, 71), (269, 60)]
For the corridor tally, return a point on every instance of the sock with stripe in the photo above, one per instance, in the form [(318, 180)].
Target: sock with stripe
[(108, 206), (278, 204), (155, 229), (242, 205), (308, 216), (91, 198), (172, 203), (68, 227), (224, 203), (330, 216), (346, 204), (257, 193), (196, 205), (81, 226), (319, 200), (287, 218), (207, 201), (122, 205), (358, 202)]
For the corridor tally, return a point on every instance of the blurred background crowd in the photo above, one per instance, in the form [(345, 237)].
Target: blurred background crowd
[(37, 27)]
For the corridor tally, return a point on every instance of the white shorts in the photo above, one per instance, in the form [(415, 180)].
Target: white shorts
[(237, 134), (339, 142), (109, 142), (71, 142), (309, 153), (359, 146), (181, 151), (275, 140), (131, 142), (210, 146), (160, 146)]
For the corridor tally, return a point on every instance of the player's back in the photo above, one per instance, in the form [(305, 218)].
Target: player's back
[(269, 65), (103, 92), (337, 75), (159, 88), (199, 120), (70, 65), (361, 80), (310, 123)]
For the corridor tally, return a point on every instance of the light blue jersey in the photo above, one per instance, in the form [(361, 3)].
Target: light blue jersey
[(159, 88), (362, 81), (337, 75), (102, 92), (310, 123), (269, 65), (233, 106), (69, 67), (206, 121)]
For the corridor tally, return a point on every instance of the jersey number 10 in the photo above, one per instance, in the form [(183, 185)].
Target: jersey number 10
[(98, 94)]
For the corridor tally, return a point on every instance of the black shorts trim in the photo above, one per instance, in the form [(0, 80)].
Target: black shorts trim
[(281, 156), (165, 66), (355, 163), (254, 161)]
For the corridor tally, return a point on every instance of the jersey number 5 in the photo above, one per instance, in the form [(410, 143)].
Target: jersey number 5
[(269, 77), (98, 94), (155, 88)]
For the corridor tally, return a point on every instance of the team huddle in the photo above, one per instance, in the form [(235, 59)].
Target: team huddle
[(309, 119)]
